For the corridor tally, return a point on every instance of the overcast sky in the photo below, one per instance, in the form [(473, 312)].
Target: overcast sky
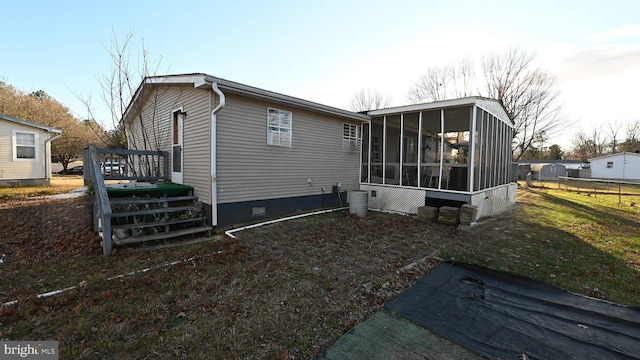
[(325, 51)]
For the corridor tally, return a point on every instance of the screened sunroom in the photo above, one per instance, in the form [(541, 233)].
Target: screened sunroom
[(453, 151)]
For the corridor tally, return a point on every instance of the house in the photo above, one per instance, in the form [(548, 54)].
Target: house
[(226, 153), (25, 152), (619, 166), (248, 153), (449, 152), (548, 171)]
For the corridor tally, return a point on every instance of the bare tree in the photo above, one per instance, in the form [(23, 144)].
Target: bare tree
[(369, 99), (118, 87), (613, 132), (128, 71), (445, 82), (632, 137), (590, 145), (528, 93)]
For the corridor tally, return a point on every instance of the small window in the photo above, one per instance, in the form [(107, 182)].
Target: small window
[(609, 164), (350, 137), (279, 127), (553, 168), (25, 145)]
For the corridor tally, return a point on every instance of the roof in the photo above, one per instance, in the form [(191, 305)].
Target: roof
[(537, 167), (29, 123), (492, 106), (625, 153), (204, 81)]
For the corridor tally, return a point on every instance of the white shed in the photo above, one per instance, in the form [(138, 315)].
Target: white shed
[(619, 166)]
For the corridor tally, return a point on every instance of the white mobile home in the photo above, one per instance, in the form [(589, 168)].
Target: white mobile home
[(248, 153), (25, 152), (619, 166)]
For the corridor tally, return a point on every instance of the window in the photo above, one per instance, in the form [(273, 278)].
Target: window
[(278, 127), (25, 145), (553, 168), (350, 137), (609, 164)]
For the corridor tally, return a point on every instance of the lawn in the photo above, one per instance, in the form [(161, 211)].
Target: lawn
[(59, 185), (290, 289)]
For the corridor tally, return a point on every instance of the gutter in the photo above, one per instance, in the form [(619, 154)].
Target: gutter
[(214, 189), (47, 160)]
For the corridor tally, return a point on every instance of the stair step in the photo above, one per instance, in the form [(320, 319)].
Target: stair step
[(128, 201), (152, 211), (157, 223), (162, 235)]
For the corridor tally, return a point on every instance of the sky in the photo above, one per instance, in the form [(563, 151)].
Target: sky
[(326, 51)]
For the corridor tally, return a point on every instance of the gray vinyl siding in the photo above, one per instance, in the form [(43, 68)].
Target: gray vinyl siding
[(21, 169), (196, 142), (249, 169), (157, 120)]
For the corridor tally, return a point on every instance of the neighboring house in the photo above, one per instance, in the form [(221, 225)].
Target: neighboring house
[(248, 153), (25, 152), (548, 171), (619, 166)]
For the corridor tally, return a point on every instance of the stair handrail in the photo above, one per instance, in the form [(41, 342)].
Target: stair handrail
[(101, 205)]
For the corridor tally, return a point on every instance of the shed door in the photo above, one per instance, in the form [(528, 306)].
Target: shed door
[(176, 148)]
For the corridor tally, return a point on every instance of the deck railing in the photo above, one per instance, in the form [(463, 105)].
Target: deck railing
[(117, 164)]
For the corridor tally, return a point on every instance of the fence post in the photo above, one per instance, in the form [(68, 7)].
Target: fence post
[(619, 194)]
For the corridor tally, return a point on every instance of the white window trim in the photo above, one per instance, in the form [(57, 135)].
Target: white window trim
[(281, 129), (349, 142), (14, 145)]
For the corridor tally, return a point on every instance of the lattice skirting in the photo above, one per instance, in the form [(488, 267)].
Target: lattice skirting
[(398, 199)]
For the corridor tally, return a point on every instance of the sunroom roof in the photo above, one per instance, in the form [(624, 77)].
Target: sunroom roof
[(492, 106)]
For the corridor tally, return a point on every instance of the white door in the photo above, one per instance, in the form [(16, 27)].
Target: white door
[(176, 148)]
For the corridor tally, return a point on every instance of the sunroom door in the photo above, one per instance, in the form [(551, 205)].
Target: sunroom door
[(176, 148)]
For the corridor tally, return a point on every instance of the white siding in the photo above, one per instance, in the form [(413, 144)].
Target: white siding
[(157, 111), (626, 166), (249, 169), (20, 169)]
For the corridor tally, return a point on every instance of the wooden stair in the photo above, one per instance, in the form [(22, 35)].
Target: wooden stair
[(142, 219)]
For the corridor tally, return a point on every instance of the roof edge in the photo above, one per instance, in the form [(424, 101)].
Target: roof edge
[(480, 101), (625, 153), (204, 81), (32, 124)]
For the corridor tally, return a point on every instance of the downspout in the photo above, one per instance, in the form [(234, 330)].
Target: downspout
[(47, 160), (214, 189)]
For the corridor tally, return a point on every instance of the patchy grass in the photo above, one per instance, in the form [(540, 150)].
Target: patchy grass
[(586, 244), (290, 289), (59, 185)]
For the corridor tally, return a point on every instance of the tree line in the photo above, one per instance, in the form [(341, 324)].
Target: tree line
[(40, 108)]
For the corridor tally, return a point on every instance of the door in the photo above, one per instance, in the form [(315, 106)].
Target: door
[(176, 148)]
